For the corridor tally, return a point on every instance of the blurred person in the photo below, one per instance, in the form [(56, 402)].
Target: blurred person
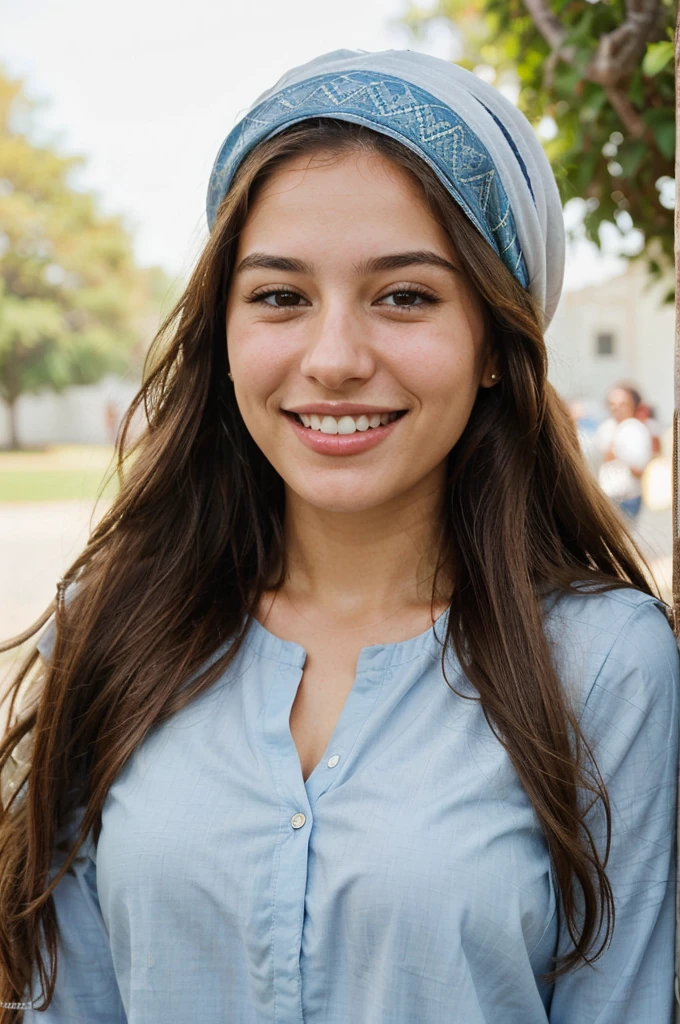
[(358, 706), (625, 445), (585, 433), (657, 478), (112, 418), (667, 442), (645, 413)]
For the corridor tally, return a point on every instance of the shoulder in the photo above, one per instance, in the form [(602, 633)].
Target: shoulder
[(633, 426), (632, 431), (617, 643)]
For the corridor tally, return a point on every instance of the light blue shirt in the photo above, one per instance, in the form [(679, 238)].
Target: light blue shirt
[(407, 880)]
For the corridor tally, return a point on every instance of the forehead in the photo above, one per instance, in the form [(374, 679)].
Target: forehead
[(358, 197)]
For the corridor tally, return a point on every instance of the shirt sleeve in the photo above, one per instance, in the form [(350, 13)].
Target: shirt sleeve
[(86, 990), (633, 444), (630, 718), (48, 637)]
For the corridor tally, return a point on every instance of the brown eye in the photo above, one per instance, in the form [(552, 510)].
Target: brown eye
[(408, 298), (280, 299)]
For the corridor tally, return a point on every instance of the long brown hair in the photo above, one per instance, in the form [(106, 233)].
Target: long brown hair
[(179, 562)]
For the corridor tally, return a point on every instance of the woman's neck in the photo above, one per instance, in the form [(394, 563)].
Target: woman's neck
[(349, 568)]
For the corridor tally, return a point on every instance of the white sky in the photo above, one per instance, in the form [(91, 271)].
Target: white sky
[(147, 91)]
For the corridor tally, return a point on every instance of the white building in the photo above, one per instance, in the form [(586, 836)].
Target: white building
[(87, 414), (616, 331)]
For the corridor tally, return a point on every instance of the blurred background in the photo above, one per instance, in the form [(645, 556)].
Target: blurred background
[(110, 119)]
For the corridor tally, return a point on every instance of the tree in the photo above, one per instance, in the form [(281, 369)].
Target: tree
[(596, 77), (73, 304)]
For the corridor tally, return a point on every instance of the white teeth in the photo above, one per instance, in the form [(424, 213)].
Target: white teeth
[(346, 424), (329, 425)]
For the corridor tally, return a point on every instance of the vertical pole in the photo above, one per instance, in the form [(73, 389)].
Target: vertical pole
[(676, 374), (676, 459)]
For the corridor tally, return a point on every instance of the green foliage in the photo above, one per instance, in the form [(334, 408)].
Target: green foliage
[(73, 304), (596, 152), (657, 57)]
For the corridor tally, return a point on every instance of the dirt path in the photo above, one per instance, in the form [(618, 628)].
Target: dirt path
[(38, 541)]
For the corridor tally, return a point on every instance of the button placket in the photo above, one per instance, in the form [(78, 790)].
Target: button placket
[(289, 875), (355, 713)]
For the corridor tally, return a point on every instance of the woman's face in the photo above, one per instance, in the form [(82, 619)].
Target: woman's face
[(345, 305), (621, 404)]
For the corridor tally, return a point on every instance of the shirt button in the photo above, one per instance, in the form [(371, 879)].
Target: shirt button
[(298, 820), (332, 761)]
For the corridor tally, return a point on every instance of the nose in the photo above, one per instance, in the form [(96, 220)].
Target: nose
[(338, 348)]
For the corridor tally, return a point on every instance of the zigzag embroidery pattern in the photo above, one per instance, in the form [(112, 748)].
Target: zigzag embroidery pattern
[(408, 114)]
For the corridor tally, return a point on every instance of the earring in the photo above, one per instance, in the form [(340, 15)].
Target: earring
[(493, 376), (229, 375)]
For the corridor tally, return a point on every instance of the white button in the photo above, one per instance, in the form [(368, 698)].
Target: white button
[(332, 761), (298, 820)]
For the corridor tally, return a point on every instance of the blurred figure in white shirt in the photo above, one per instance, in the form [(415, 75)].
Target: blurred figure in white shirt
[(585, 430), (625, 445), (646, 415)]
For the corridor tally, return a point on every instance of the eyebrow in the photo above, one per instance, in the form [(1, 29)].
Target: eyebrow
[(263, 261), (374, 265)]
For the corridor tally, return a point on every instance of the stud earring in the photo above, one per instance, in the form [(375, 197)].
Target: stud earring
[(229, 375), (494, 377)]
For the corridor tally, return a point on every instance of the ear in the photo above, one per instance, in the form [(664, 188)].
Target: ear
[(490, 375)]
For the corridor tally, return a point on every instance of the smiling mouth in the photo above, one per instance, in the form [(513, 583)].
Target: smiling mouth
[(345, 424)]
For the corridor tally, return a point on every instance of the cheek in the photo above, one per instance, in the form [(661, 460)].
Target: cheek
[(257, 362), (452, 404), (444, 373)]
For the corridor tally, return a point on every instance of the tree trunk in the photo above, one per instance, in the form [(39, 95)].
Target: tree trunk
[(676, 378), (676, 388), (13, 430), (676, 457)]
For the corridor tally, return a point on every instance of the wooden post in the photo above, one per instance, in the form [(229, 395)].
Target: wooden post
[(676, 458), (676, 376)]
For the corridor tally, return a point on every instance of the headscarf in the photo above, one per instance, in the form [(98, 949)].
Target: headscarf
[(482, 148)]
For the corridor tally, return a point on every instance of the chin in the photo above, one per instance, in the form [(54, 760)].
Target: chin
[(348, 498)]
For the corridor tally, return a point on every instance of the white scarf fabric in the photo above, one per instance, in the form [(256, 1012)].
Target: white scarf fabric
[(480, 145)]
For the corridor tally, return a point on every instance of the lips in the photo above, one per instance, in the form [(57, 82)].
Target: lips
[(338, 409), (347, 441)]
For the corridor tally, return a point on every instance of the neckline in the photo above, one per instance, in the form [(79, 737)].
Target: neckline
[(288, 652)]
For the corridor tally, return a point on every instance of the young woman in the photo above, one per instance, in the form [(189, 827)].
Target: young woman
[(358, 707)]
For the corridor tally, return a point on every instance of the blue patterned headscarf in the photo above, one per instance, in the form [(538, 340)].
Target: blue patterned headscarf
[(478, 143)]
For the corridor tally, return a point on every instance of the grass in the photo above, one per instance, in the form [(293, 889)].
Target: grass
[(58, 473)]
